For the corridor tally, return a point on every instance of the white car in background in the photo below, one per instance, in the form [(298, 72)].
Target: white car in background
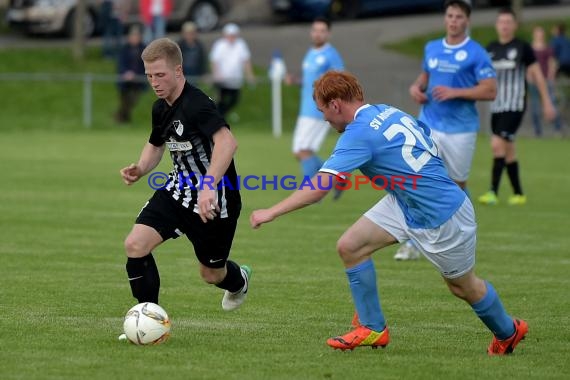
[(56, 16)]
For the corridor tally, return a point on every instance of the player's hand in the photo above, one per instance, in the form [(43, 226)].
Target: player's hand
[(130, 174), (441, 93), (207, 204), (549, 111), (258, 217), (417, 94)]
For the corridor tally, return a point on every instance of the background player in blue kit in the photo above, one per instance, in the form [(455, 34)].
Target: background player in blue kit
[(457, 71), (381, 140), (311, 129)]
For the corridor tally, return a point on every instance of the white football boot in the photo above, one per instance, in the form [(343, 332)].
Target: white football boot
[(232, 301)]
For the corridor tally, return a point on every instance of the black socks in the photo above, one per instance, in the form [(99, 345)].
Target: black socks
[(513, 172), (498, 166), (233, 281), (144, 278)]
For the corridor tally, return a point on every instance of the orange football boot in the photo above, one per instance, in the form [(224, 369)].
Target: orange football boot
[(360, 337), (505, 347)]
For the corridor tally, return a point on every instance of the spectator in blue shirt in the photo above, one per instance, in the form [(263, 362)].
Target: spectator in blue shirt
[(561, 46)]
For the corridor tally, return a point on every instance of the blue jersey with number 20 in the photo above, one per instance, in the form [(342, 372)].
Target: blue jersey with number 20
[(385, 141)]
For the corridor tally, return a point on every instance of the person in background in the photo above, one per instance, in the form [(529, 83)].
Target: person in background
[(311, 128), (561, 46), (130, 68), (456, 73), (154, 15), (513, 59), (194, 57), (230, 59), (545, 56), (112, 13)]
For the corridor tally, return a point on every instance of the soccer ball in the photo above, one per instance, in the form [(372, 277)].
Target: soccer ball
[(147, 323)]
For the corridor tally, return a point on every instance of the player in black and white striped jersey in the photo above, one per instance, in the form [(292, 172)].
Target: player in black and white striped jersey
[(187, 123), (512, 59)]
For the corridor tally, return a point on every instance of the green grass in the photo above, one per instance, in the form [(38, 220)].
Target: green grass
[(65, 213), (414, 46), (57, 104)]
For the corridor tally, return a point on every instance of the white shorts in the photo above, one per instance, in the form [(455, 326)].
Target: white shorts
[(309, 134), (456, 150), (449, 247)]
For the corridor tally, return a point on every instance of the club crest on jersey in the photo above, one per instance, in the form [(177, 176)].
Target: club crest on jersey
[(461, 55), (512, 54), (178, 127)]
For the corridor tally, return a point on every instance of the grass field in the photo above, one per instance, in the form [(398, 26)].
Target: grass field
[(65, 212)]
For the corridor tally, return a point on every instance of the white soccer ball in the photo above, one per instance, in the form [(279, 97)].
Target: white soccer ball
[(147, 323)]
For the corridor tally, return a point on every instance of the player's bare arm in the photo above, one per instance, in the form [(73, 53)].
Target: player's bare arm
[(149, 159), (225, 146), (548, 109), (486, 89), (322, 183), (418, 88)]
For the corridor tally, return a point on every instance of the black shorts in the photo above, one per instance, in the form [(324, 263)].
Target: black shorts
[(212, 241), (506, 124)]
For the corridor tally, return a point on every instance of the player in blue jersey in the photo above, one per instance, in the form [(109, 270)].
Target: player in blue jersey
[(311, 129), (383, 142), (457, 71)]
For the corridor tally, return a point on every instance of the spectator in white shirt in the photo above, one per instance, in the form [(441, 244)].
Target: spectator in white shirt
[(230, 60)]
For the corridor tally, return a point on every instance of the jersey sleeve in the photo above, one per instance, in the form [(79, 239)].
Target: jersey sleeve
[(156, 135), (528, 57), (484, 67), (336, 62), (208, 117), (349, 154)]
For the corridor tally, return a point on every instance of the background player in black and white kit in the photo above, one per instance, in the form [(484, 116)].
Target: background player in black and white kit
[(512, 59), (187, 123)]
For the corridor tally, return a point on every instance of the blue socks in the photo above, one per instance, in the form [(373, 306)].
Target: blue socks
[(362, 280), (311, 166), (491, 311)]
